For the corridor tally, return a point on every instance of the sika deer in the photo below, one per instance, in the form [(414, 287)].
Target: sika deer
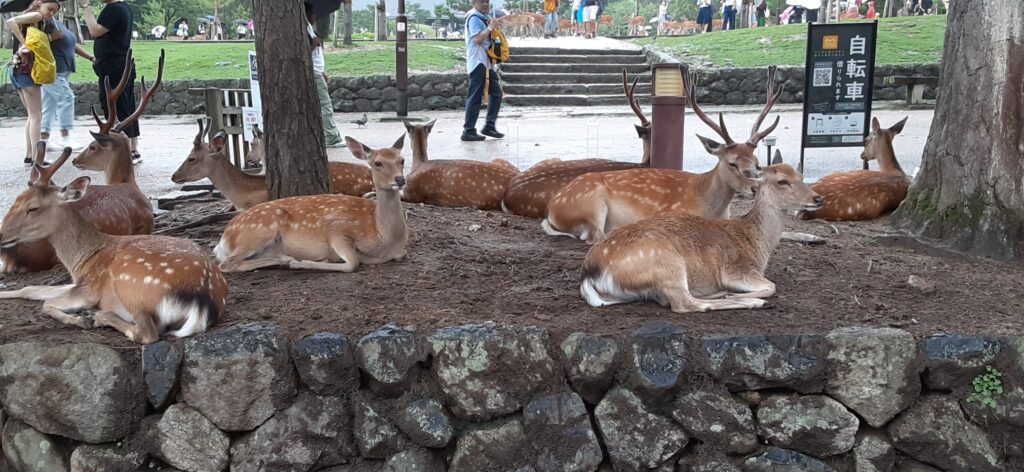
[(258, 150), (119, 207), (595, 204), (139, 285), (453, 183), (689, 262), (244, 190), (528, 193), (865, 194), (636, 25), (299, 232)]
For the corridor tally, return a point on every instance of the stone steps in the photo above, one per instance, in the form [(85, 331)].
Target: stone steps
[(543, 51), (572, 89), (570, 100), (577, 59), (537, 78), (576, 68)]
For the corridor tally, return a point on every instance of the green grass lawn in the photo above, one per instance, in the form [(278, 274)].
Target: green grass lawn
[(900, 41), (204, 61)]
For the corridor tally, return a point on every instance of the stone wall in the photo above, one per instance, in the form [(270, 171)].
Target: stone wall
[(501, 398), (350, 94)]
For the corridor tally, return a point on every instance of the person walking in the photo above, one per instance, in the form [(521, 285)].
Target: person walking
[(550, 18), (728, 15), (590, 18), (332, 137), (40, 15), (58, 97), (704, 14), (761, 16), (482, 73), (112, 32)]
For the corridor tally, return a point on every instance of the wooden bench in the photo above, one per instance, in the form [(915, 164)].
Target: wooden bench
[(915, 86)]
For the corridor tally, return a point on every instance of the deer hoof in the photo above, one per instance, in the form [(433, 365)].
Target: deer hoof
[(85, 322)]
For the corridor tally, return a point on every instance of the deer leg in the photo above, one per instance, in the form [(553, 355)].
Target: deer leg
[(38, 292), (246, 265), (750, 285), (58, 308), (344, 252), (682, 301), (143, 331), (803, 238)]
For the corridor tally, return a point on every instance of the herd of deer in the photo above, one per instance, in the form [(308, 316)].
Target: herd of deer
[(656, 234)]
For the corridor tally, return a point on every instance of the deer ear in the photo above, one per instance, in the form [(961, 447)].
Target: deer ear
[(401, 142), (104, 140), (898, 127), (408, 126), (256, 132), (359, 150), (74, 191), (778, 157), (875, 126), (712, 146), (219, 140), (430, 126)]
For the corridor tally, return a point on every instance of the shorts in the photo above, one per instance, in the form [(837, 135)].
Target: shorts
[(590, 13), (21, 81)]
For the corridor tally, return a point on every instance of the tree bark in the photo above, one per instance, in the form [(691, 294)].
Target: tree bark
[(348, 22), (970, 192), (296, 156), (381, 23)]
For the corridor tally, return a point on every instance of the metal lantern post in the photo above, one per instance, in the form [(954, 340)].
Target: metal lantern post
[(402, 60), (769, 141), (668, 109)]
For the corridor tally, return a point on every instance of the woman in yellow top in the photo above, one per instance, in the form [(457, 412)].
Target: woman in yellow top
[(38, 14), (550, 18)]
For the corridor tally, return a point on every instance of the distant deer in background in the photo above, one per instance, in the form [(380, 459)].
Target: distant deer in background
[(139, 285), (594, 204), (324, 232), (691, 263), (453, 183), (865, 194), (208, 161), (528, 193), (636, 25), (119, 207)]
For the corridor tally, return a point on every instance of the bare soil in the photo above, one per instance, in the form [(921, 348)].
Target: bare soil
[(468, 266)]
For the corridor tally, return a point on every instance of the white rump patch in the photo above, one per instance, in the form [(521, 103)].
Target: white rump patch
[(603, 292), (171, 311), (551, 231), (221, 251)]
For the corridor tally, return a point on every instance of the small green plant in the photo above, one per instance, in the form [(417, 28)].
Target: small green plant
[(986, 387)]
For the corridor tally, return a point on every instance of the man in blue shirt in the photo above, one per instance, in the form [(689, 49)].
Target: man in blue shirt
[(478, 41)]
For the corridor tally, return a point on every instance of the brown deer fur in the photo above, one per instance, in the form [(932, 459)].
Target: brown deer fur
[(344, 231), (865, 194), (139, 285), (453, 183), (689, 262)]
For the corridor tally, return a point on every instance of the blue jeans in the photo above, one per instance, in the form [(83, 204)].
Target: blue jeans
[(729, 19), (551, 23), (477, 81), (59, 100)]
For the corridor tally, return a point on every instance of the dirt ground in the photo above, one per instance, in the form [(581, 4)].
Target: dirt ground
[(507, 270)]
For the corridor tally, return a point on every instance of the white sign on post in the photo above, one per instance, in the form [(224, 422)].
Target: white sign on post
[(250, 116), (254, 114)]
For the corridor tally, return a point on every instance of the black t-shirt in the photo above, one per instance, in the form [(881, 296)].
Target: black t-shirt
[(117, 18)]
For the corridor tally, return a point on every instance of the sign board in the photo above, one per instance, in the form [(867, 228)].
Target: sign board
[(250, 116), (253, 114), (838, 84)]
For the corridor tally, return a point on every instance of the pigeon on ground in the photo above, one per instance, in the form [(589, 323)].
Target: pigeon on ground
[(362, 121)]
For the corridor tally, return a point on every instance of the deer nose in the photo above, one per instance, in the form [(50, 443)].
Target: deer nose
[(400, 181), (819, 200)]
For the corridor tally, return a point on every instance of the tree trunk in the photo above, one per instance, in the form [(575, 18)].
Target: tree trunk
[(296, 156), (381, 25), (334, 34), (636, 8), (348, 22), (969, 194)]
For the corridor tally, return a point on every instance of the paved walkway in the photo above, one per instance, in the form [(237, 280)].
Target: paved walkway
[(533, 135)]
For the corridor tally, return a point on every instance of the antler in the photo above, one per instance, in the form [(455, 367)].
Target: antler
[(43, 173), (203, 124), (112, 96), (147, 95), (755, 135), (633, 102), (718, 128)]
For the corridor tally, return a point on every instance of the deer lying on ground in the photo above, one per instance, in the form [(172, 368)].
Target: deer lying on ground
[(119, 207), (594, 204), (453, 183), (139, 285), (208, 161), (636, 25), (691, 263), (528, 193), (324, 232), (865, 194)]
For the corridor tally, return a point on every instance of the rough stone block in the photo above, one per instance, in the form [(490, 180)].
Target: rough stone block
[(426, 423), (326, 363), (497, 445), (656, 360), (187, 440), (813, 424), (873, 371), (389, 356), (935, 431), (715, 417), (590, 363), (759, 362), (29, 450), (161, 364), (636, 438), (953, 361), (558, 427)]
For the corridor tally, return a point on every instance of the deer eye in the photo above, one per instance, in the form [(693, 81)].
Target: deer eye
[(401, 163), (30, 210), (191, 159), (733, 165), (783, 183), (378, 164)]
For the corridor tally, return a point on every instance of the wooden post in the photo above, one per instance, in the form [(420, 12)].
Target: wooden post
[(334, 35)]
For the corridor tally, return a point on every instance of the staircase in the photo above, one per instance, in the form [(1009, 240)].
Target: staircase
[(552, 76)]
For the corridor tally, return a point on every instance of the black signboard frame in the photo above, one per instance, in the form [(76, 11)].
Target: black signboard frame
[(815, 101)]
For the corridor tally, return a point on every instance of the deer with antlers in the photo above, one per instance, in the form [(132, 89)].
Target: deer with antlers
[(528, 193), (142, 286), (453, 182), (209, 161), (692, 263), (594, 204), (865, 194), (119, 207), (324, 232)]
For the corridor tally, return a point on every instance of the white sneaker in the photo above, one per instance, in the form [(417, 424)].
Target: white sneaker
[(53, 144), (67, 142)]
